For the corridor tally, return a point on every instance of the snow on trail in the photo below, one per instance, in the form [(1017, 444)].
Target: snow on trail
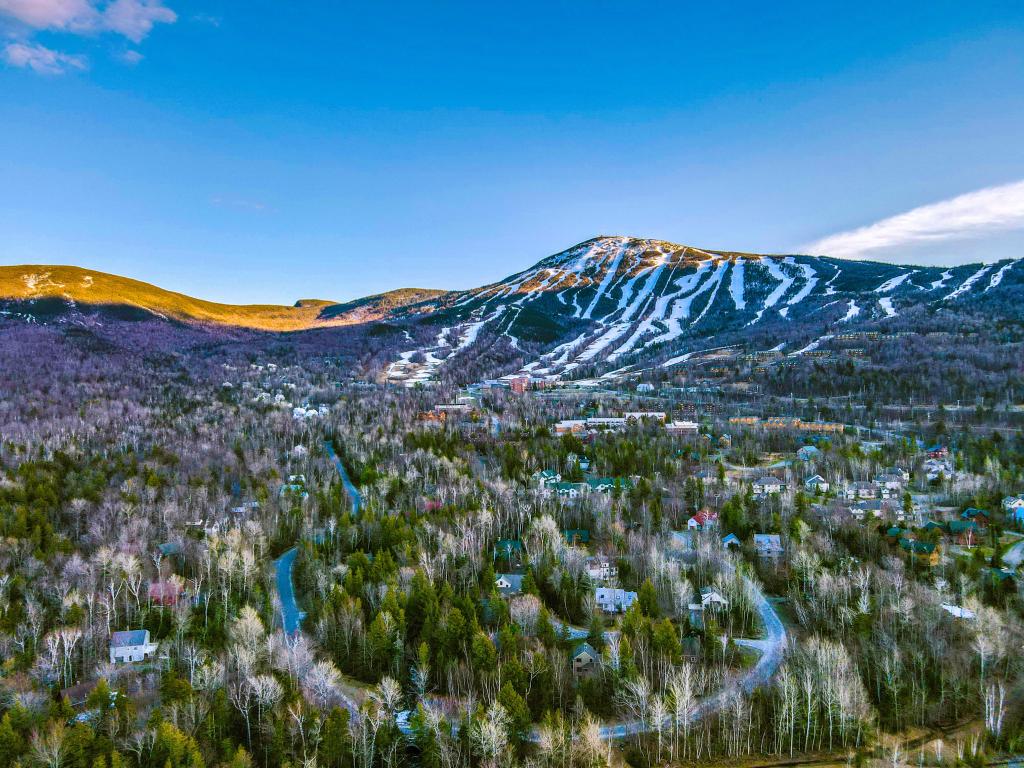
[(717, 280), (684, 357), (688, 291), (851, 312), (886, 305), (997, 278), (813, 345), (603, 341), (894, 282), (829, 290), (646, 291), (655, 315), (609, 276), (785, 281), (810, 278), (966, 285), (736, 285), (943, 279)]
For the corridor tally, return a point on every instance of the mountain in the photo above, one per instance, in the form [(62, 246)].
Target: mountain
[(38, 292), (607, 307), (620, 303)]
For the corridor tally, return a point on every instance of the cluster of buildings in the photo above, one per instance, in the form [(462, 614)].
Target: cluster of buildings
[(550, 483), (607, 423), (786, 423)]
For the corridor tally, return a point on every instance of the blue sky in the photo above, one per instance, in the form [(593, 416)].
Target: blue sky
[(267, 151)]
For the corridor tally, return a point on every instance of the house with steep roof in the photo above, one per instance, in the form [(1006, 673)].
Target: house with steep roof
[(545, 477), (584, 658), (808, 453), (816, 484), (712, 600), (924, 552), (730, 541), (130, 646), (703, 520), (509, 584)]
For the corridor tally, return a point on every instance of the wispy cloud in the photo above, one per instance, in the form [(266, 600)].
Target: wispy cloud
[(968, 216), (131, 19), (240, 203), (41, 59)]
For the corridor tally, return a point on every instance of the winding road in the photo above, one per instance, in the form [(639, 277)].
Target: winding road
[(771, 648)]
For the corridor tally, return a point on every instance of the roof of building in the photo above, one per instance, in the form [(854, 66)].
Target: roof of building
[(129, 637), (585, 648)]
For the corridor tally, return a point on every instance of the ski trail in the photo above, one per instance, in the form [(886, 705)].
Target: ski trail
[(894, 282), (968, 283), (997, 278), (811, 280), (609, 277), (941, 282), (813, 345), (736, 285)]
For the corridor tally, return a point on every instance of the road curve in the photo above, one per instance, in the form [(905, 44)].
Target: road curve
[(772, 649)]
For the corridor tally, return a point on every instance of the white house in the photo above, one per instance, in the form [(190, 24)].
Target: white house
[(1014, 505), (959, 612), (768, 544), (131, 645), (768, 485), (613, 600), (711, 599), (861, 490), (816, 484), (682, 427), (546, 477), (601, 569), (891, 482), (509, 583)]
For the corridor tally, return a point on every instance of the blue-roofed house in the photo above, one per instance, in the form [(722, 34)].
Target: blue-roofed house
[(576, 536), (808, 453), (1014, 507), (509, 584), (131, 645)]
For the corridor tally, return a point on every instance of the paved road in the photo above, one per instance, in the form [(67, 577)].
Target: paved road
[(1013, 557), (771, 648), (350, 488), (291, 615)]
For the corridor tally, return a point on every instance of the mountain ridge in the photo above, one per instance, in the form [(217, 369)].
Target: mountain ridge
[(609, 303)]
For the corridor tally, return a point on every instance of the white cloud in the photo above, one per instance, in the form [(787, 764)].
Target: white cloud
[(132, 19), (69, 15), (135, 18), (130, 57), (965, 217), (41, 59)]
